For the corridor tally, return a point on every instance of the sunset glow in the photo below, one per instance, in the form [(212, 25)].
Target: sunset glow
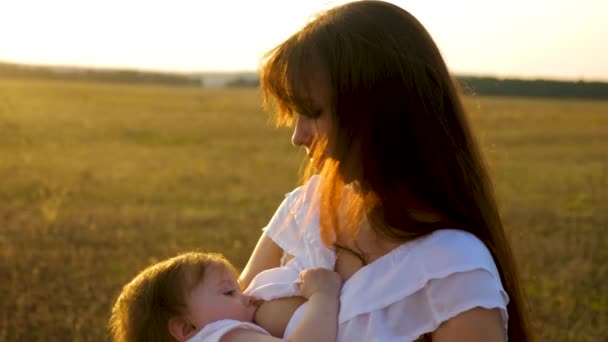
[(542, 38)]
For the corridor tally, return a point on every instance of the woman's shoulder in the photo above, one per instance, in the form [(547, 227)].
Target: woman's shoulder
[(436, 255), (414, 264), (456, 273), (447, 251), (431, 279)]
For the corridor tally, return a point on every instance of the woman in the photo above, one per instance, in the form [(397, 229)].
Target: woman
[(402, 208)]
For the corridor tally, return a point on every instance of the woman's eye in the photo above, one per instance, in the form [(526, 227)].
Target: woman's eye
[(313, 114), (230, 293)]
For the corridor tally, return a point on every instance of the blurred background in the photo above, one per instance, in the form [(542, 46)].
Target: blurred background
[(133, 131)]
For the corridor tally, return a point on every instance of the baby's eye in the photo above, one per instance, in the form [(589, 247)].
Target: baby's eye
[(230, 293)]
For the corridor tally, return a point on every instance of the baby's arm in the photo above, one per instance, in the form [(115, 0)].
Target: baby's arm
[(320, 319)]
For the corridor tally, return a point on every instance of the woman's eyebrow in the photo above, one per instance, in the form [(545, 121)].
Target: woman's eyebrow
[(306, 106)]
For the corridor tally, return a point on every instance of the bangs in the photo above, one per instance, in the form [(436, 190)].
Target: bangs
[(286, 78)]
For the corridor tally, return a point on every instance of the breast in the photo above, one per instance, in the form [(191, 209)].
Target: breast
[(295, 319), (275, 316)]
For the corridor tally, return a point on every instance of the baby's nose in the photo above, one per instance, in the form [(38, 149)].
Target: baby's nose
[(248, 300)]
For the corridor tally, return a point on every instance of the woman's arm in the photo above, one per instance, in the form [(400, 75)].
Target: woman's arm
[(477, 324), (266, 254)]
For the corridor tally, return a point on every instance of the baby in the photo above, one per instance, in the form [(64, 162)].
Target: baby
[(196, 297)]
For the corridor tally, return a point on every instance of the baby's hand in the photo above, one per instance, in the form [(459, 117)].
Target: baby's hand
[(320, 281)]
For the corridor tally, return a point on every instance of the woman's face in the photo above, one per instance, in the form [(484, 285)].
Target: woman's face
[(309, 130)]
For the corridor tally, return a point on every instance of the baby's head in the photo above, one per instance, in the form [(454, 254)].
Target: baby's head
[(173, 299)]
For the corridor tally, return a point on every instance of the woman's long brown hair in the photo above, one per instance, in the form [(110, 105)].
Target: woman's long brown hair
[(400, 132)]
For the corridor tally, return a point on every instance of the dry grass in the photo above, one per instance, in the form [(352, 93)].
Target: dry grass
[(100, 180)]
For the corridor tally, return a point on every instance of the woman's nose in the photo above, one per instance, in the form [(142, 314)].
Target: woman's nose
[(302, 135)]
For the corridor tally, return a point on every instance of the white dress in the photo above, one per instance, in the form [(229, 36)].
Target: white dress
[(400, 296), (213, 332)]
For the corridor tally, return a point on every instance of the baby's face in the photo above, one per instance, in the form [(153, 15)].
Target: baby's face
[(219, 297)]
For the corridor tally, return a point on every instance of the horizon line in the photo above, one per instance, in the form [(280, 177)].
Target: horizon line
[(253, 71)]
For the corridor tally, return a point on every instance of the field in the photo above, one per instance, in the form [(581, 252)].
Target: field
[(100, 180)]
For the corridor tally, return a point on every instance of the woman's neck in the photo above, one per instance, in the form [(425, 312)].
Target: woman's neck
[(367, 243)]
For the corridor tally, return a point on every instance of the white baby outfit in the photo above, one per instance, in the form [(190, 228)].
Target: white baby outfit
[(213, 332), (402, 295)]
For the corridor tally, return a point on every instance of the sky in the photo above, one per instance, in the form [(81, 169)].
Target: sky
[(552, 39)]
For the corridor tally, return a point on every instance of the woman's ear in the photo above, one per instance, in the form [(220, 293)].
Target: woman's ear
[(181, 328)]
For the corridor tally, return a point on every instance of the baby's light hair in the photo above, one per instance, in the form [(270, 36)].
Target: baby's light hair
[(157, 294)]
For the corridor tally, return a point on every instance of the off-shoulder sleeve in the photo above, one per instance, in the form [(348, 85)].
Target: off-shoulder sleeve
[(462, 291), (461, 275), (424, 310), (295, 227), (283, 228), (422, 284)]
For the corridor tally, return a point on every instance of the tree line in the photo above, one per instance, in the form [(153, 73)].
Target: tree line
[(9, 70), (533, 88), (470, 85)]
